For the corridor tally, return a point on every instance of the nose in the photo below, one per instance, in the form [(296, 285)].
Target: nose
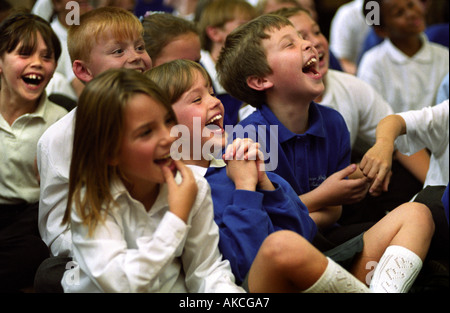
[(134, 56), (166, 139), (36, 60), (214, 102), (315, 41), (307, 45)]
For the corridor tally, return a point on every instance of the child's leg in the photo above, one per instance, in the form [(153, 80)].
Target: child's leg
[(286, 262), (407, 231)]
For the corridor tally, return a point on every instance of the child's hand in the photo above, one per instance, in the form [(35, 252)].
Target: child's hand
[(180, 197), (338, 190), (241, 163), (246, 149), (376, 166)]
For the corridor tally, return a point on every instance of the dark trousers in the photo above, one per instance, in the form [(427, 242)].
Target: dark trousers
[(50, 273), (431, 196), (402, 188), (21, 247), (359, 217)]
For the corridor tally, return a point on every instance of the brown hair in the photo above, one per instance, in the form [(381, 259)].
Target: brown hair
[(161, 28), (176, 77), (218, 12), (21, 28), (243, 56)]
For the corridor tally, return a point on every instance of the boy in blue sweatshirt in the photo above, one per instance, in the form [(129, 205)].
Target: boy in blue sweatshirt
[(267, 63), (265, 229)]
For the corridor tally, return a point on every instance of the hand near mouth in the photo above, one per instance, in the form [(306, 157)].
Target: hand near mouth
[(181, 196)]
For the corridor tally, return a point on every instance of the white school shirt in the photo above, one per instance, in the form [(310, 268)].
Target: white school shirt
[(210, 66), (64, 63), (54, 152), (348, 31), (18, 141), (360, 105), (43, 8), (406, 83), (139, 251), (428, 128), (59, 84)]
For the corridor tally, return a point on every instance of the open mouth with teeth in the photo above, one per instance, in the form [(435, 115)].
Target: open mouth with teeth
[(32, 79), (215, 123), (166, 159), (310, 68)]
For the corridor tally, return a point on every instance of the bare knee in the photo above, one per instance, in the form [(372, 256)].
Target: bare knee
[(286, 249), (420, 214), (286, 262)]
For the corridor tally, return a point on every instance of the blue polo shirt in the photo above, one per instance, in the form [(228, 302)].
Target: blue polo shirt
[(304, 160)]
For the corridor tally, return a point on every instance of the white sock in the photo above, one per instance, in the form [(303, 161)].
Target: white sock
[(397, 270), (336, 279)]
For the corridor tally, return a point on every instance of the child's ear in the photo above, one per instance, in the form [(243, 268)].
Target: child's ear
[(259, 83), (81, 71), (214, 33)]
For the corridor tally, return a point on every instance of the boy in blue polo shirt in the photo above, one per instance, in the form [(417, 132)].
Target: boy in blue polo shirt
[(267, 63), (313, 144), (264, 227)]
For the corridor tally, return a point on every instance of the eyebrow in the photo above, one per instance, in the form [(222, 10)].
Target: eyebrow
[(287, 37)]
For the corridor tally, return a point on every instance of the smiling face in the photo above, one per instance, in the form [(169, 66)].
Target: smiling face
[(294, 64), (25, 76), (146, 142), (310, 30), (402, 18), (200, 102), (110, 52)]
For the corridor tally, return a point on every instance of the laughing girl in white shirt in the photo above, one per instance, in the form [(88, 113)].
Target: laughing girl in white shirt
[(136, 225)]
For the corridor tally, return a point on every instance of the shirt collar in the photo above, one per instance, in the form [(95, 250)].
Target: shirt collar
[(316, 123), (397, 56), (38, 113), (118, 190), (214, 163), (42, 106)]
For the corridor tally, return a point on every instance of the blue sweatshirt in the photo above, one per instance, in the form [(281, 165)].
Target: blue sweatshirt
[(246, 218)]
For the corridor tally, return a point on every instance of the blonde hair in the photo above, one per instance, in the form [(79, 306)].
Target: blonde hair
[(176, 77), (98, 23), (97, 140), (218, 12)]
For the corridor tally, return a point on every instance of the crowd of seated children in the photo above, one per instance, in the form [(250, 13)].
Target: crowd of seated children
[(322, 116)]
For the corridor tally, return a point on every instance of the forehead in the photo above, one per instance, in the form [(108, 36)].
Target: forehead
[(117, 36), (276, 36), (199, 80), (142, 107), (301, 20)]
